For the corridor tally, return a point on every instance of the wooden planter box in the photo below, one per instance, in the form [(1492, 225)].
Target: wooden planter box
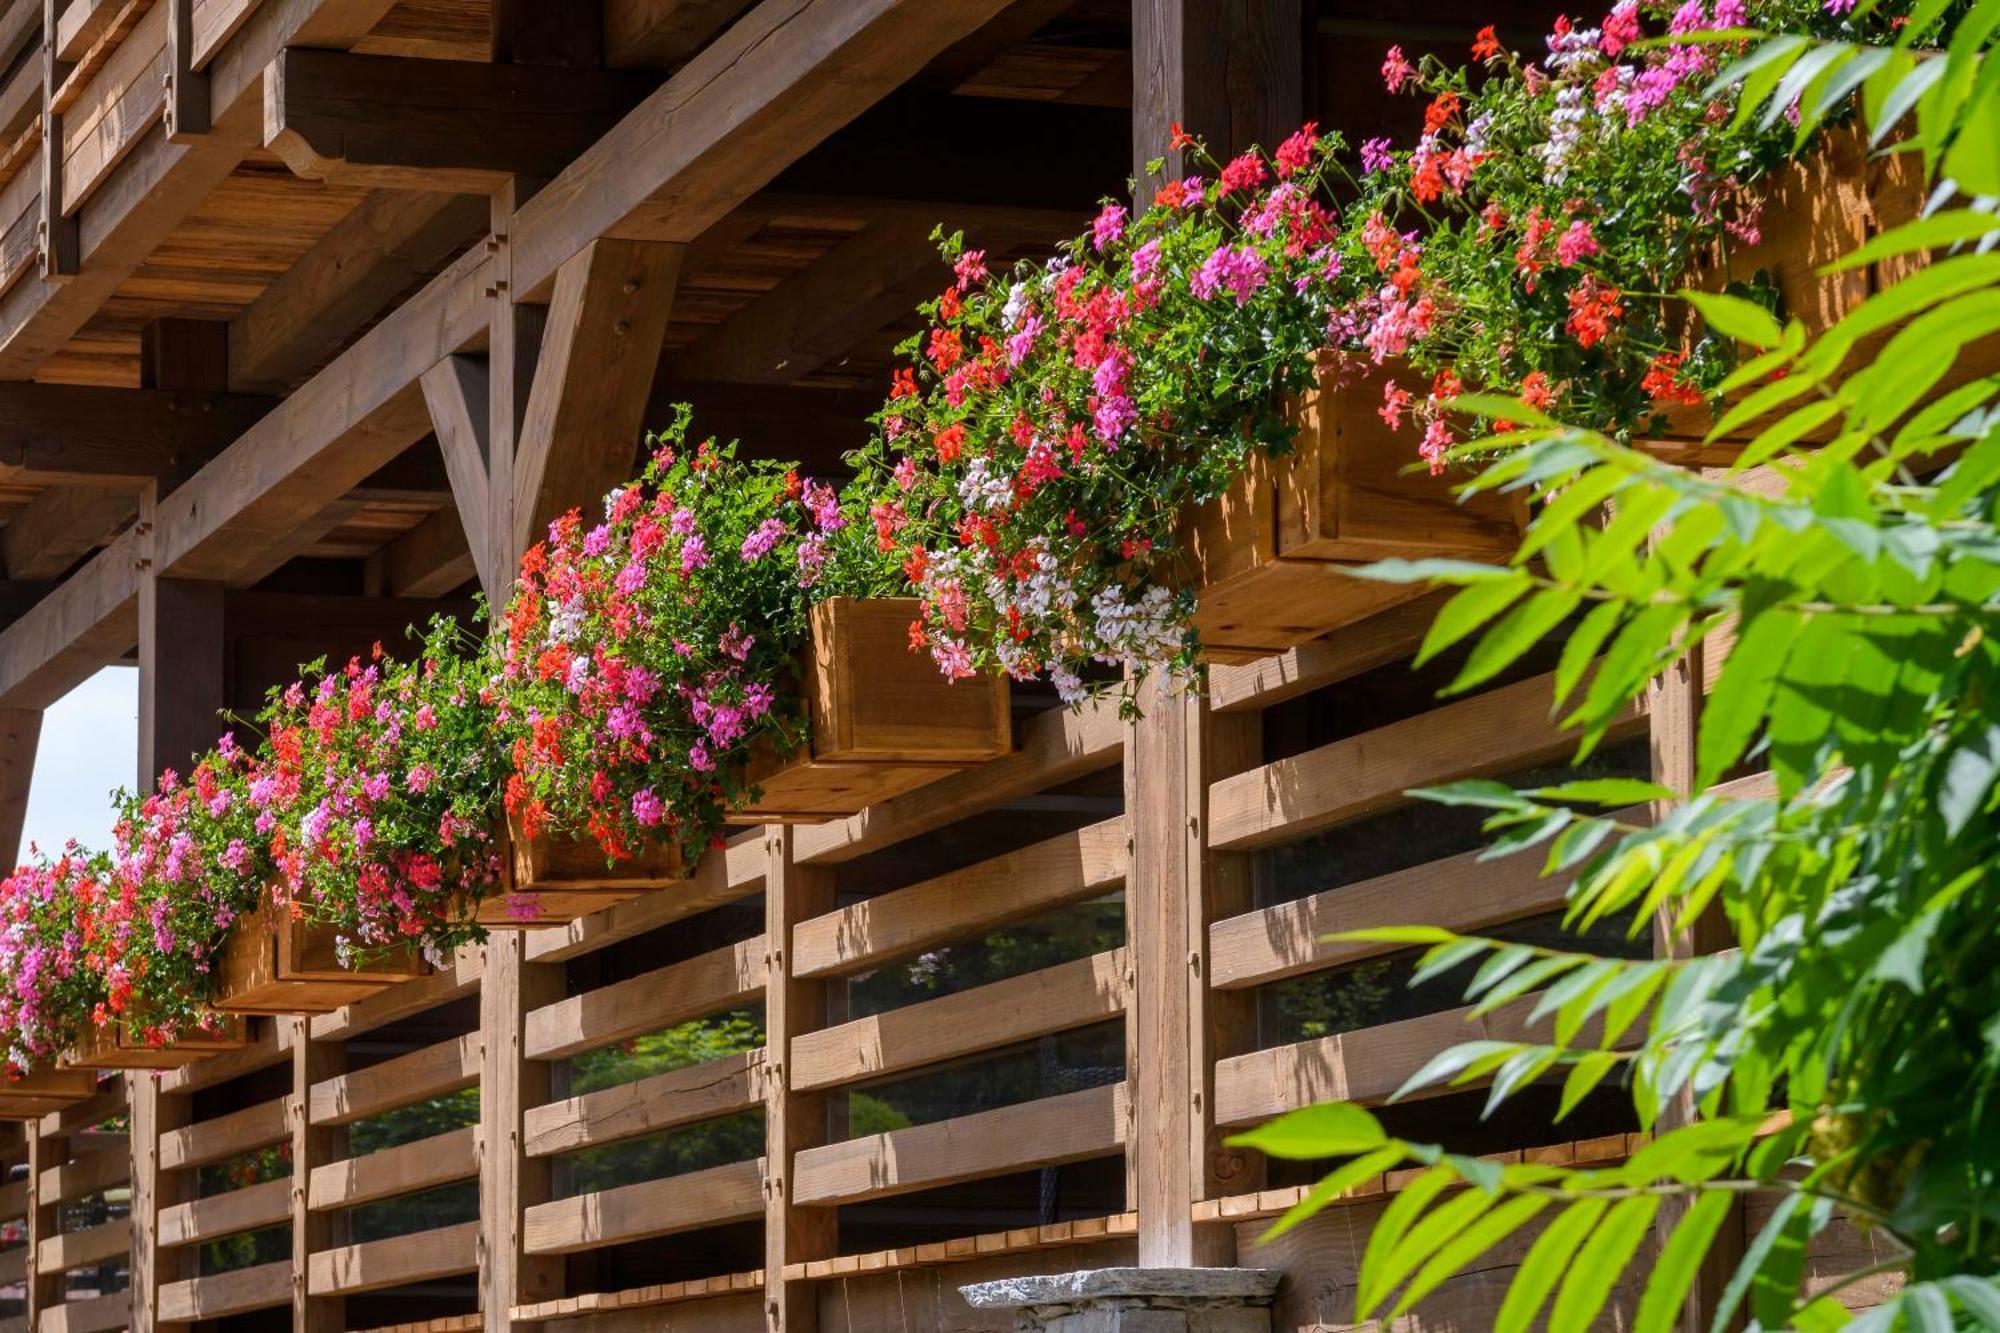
[(884, 720), (35, 1095), (1817, 211), (116, 1046), (271, 964), (1269, 555), (565, 878)]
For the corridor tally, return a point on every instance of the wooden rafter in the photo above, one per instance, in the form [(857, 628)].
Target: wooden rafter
[(115, 437), (456, 396)]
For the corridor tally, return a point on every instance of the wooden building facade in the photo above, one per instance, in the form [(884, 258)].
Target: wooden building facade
[(311, 311)]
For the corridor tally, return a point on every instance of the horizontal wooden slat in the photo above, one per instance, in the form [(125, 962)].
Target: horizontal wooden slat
[(89, 1113), (1366, 1065), (270, 1044), (13, 1201), (375, 1264), (709, 983), (1054, 747), (1459, 893), (222, 1294), (87, 1174), (98, 1315), (1047, 1132), (1385, 637), (1496, 732), (987, 1245), (75, 1249), (732, 1193), (639, 1298), (964, 904), (246, 1209), (722, 877), (404, 1169), (403, 999), (661, 1101), (1055, 999), (430, 1072), (224, 1137), (13, 1265)]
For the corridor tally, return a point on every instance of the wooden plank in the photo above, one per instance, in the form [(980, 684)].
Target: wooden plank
[(219, 1295), (642, 1298), (1055, 999), (404, 999), (225, 1136), (181, 681), (1487, 734), (511, 1183), (662, 33), (724, 876), (99, 1314), (61, 526), (391, 242), (81, 24), (1048, 1132), (86, 1174), (1458, 892), (456, 396), (92, 619), (59, 233), (758, 97), (154, 1115), (986, 1245), (1374, 642), (187, 110), (795, 1117), (600, 351), (14, 1201), (708, 983), (76, 1249), (124, 98), (373, 1265), (1366, 1065), (431, 1071), (1055, 747), (402, 123), (269, 1044), (430, 560), (698, 1092), (314, 1065), (404, 1169), (20, 737), (687, 1202), (265, 1205), (964, 904)]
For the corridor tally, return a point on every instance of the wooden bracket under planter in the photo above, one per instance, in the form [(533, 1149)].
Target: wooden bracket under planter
[(271, 964), (885, 720), (117, 1046), (1271, 556), (32, 1096), (552, 880)]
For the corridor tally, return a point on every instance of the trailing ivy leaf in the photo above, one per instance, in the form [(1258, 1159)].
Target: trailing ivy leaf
[(1332, 1129)]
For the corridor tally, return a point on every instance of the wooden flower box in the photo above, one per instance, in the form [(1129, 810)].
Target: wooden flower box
[(1270, 556), (551, 880), (118, 1046), (271, 964), (885, 721), (32, 1096)]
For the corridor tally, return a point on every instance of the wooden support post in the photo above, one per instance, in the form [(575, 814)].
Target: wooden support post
[(20, 736), (313, 1145), (1158, 1044), (1230, 72), (180, 672), (187, 87), (1674, 719), (514, 345), (794, 1121), (45, 1290), (154, 1113), (60, 238), (1220, 885), (509, 1179)]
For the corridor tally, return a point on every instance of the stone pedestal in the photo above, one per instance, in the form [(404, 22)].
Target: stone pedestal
[(1134, 1300)]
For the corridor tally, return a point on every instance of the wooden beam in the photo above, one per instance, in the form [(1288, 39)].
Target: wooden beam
[(219, 1295), (248, 1209), (59, 233), (660, 34), (1230, 71), (400, 1261), (158, 183), (181, 690), (708, 983), (430, 560), (686, 1202), (187, 111), (385, 122), (84, 434), (795, 1116), (89, 620), (512, 1185), (429, 1071), (404, 1169), (315, 1064), (650, 1105), (1381, 639), (20, 734), (225, 1136), (62, 525), (600, 350), (778, 81), (156, 1113), (391, 242)]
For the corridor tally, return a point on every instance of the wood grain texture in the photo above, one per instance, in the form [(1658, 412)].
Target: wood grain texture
[(92, 619), (430, 1071), (709, 983), (218, 1295), (718, 1087), (405, 1169), (687, 1202), (373, 1265), (247, 1209)]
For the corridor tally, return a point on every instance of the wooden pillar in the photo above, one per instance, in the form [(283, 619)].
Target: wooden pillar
[(187, 111), (20, 736), (45, 1290), (1229, 71), (794, 1121), (1674, 719), (1160, 1184), (154, 1113), (61, 244), (313, 1146), (514, 346), (510, 1180)]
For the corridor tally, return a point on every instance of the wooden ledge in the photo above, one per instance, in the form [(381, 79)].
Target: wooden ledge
[(634, 1298), (1020, 1240)]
